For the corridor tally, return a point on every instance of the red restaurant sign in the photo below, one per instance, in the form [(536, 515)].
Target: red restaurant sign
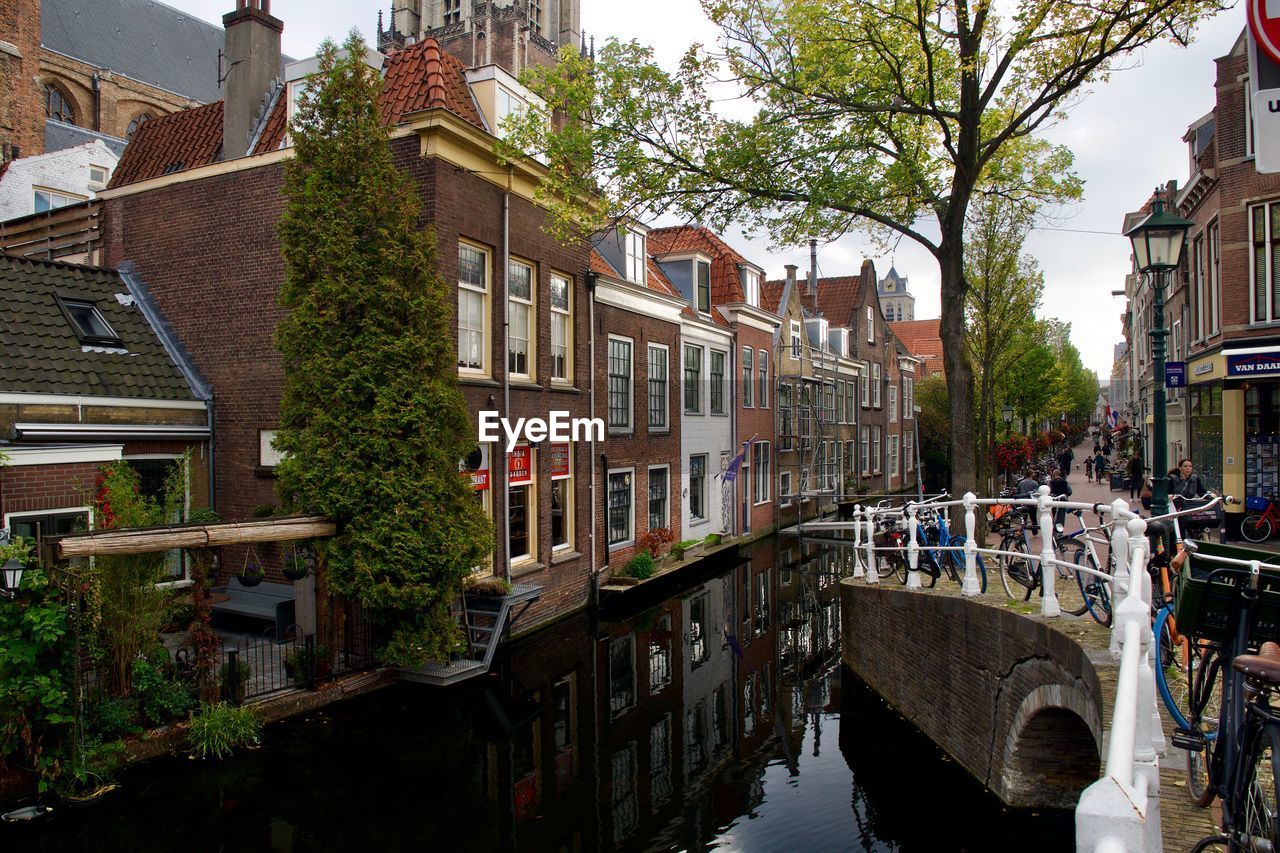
[(1265, 29), (519, 471)]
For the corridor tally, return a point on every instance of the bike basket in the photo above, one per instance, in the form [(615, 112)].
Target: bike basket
[(1200, 517), (1256, 503), (1203, 609)]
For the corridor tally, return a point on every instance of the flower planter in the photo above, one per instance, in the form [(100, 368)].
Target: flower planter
[(623, 580), (295, 570), (252, 578)]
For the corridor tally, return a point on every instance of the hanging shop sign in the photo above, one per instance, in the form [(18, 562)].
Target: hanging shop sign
[(476, 466), (1253, 364), (519, 469), (1175, 374), (560, 461)]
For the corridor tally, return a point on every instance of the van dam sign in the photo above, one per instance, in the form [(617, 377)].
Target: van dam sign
[(557, 427), (1254, 364)]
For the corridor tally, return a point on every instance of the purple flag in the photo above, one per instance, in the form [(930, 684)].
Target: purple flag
[(731, 473)]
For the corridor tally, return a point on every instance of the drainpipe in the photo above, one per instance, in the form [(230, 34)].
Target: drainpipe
[(213, 492), (734, 447), (97, 102), (592, 279), (506, 377), (604, 474)]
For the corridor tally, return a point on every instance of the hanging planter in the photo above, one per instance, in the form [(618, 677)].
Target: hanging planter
[(297, 564), (253, 572)]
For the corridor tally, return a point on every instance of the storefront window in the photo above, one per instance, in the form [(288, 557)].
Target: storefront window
[(1206, 434)]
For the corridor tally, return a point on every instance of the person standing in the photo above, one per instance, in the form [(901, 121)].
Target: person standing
[(1059, 488), (1136, 472), (1065, 459)]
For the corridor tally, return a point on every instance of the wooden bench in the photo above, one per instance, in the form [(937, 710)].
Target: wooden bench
[(269, 602)]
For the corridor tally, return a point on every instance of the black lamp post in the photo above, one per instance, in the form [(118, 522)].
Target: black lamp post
[(1157, 249), (1007, 414), (12, 571)]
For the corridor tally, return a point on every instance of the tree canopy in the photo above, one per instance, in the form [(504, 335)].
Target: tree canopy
[(373, 424), (882, 116)]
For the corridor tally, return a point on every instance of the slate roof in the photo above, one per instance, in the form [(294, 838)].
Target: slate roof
[(923, 340), (418, 77), (59, 135), (173, 143), (42, 353), (140, 39), (656, 281)]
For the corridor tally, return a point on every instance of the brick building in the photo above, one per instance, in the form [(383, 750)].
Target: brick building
[(99, 378), (637, 314), (180, 199)]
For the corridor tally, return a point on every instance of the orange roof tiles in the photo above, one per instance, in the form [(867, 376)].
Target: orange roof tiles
[(838, 298), (726, 281), (771, 295), (418, 77), (923, 340), (601, 266), (173, 143)]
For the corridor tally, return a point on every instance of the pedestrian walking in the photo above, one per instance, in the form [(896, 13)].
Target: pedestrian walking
[(1136, 471), (1065, 459), (1059, 488), (1088, 468)]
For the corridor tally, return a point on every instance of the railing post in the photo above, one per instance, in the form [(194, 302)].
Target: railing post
[(1048, 569), (873, 574), (913, 549), (971, 586), (1151, 740), (858, 571), (233, 675), (310, 658), (1120, 560)]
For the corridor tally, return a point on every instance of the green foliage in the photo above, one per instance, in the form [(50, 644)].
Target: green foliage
[(113, 717), (712, 539), (640, 566), (300, 661), (218, 730), (935, 417), (36, 675), (160, 698), (372, 420), (686, 544), (125, 606), (234, 680)]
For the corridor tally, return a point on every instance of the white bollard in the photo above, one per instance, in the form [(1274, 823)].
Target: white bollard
[(873, 574), (972, 585), (913, 549), (1119, 560), (1048, 569), (858, 571)]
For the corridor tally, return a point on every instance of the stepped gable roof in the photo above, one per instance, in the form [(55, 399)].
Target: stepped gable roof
[(46, 355), (139, 39), (726, 282), (179, 141), (923, 339), (418, 77)]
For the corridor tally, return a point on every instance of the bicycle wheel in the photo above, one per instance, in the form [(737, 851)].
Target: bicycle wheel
[(1202, 675), (1260, 807), (1067, 585), (1093, 589), (957, 558), (1016, 571), (1169, 676), (929, 569), (1255, 528)]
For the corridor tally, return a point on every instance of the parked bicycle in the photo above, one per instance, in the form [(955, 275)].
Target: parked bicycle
[(1079, 548), (1262, 519), (935, 536)]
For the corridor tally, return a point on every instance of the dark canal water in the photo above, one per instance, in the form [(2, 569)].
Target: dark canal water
[(714, 715)]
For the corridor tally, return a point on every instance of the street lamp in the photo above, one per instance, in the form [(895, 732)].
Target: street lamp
[(12, 571), (1157, 249), (1007, 414)]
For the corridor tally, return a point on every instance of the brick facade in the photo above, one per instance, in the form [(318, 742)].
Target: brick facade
[(21, 104), (31, 488)]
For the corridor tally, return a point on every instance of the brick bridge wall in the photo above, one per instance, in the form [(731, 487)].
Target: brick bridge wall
[(1013, 701)]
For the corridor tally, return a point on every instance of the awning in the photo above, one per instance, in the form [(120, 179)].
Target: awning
[(100, 432)]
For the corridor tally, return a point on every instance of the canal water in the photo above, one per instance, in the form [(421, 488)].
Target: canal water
[(705, 712)]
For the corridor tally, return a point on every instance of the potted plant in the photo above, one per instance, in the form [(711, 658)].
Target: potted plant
[(234, 681), (297, 565), (253, 572), (712, 540), (300, 661)]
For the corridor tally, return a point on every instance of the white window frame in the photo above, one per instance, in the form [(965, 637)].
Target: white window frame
[(751, 287), (724, 383), (794, 348), (530, 306), (634, 255), (1248, 119), (1214, 259), (569, 526), (631, 380), (698, 264), (908, 398), (1270, 239), (485, 311), (531, 509), (893, 404), (706, 464), (866, 386), (631, 524), (871, 325), (763, 472), (748, 377), (648, 495), (875, 384), (268, 455), (665, 426), (875, 449), (893, 455), (784, 488), (565, 315), (909, 451), (62, 197), (697, 383), (864, 436)]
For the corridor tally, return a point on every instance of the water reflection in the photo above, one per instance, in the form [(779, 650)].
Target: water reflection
[(717, 716)]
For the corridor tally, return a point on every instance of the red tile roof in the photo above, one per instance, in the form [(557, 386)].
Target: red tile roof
[(771, 295), (173, 143), (726, 279), (418, 77), (923, 340), (655, 281), (601, 266)]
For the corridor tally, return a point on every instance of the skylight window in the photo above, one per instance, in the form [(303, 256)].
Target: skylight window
[(89, 324)]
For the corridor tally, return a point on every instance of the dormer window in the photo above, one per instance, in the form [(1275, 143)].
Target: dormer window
[(704, 286), (87, 321), (751, 287), (634, 250)]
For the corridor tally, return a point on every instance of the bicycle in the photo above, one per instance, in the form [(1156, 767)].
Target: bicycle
[(1257, 527), (1017, 571), (1078, 548)]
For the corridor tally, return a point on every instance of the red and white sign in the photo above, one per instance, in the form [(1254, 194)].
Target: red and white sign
[(560, 461), (476, 466), (1265, 26), (519, 471)]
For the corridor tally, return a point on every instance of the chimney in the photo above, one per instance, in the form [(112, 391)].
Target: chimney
[(252, 47), (791, 277), (813, 273)]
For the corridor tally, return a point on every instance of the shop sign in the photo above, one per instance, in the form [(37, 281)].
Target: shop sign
[(1203, 368), (560, 461), (476, 466), (519, 471), (1175, 374), (1254, 364)]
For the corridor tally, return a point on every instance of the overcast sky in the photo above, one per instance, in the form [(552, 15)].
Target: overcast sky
[(1126, 135)]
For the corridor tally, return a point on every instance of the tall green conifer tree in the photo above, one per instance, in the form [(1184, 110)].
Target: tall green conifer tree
[(372, 421)]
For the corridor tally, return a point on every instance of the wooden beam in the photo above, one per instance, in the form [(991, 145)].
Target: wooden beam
[(146, 540)]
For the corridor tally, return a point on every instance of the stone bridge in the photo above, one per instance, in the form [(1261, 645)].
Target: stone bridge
[(1015, 702)]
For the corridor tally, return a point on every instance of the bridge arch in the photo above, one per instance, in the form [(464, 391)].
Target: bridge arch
[(1053, 748)]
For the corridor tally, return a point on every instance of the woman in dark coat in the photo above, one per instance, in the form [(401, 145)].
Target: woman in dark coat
[(1184, 482), (1135, 471)]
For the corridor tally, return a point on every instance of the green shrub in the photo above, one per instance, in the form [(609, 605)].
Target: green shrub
[(113, 717), (298, 662), (640, 566), (243, 672), (686, 544), (712, 539), (160, 698), (220, 729)]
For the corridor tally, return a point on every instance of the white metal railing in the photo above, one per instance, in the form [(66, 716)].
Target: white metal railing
[(1121, 811)]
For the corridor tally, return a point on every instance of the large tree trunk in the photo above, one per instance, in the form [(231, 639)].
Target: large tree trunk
[(964, 473)]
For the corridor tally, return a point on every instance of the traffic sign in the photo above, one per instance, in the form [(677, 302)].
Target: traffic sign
[(1265, 26)]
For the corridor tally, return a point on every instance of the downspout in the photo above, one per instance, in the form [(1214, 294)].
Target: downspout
[(97, 102), (592, 279), (604, 471), (506, 373), (208, 408), (734, 448)]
